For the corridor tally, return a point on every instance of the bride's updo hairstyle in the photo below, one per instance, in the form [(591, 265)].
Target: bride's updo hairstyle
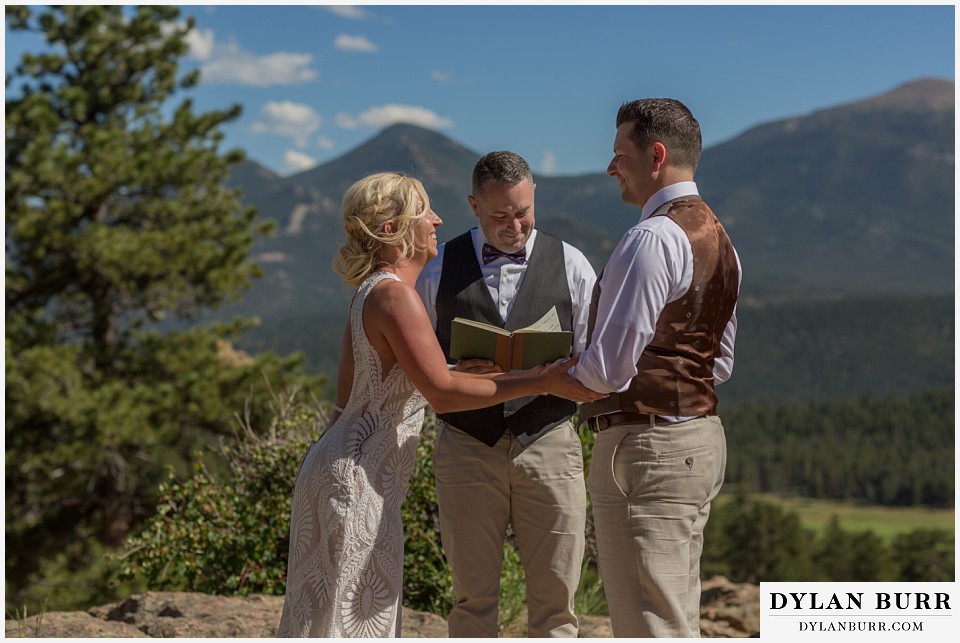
[(367, 205)]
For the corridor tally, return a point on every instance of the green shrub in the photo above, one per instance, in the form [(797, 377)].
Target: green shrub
[(925, 555), (229, 534), (749, 540), (226, 530), (590, 598), (512, 617)]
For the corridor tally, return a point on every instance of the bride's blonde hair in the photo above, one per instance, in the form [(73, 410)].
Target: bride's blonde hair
[(367, 205)]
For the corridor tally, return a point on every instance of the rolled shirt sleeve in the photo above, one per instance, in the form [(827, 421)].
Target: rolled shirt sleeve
[(645, 271), (581, 278)]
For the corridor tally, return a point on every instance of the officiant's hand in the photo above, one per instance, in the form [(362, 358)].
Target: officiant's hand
[(477, 366)]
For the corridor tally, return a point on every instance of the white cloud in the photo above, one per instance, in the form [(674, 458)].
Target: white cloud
[(232, 65), (348, 11), (353, 12), (291, 120), (441, 76), (201, 43), (325, 143), (229, 64), (344, 42), (548, 165), (377, 117), (295, 161)]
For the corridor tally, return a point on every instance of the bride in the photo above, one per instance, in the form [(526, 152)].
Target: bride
[(344, 575)]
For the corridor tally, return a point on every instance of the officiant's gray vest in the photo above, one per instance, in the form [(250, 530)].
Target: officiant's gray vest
[(462, 292)]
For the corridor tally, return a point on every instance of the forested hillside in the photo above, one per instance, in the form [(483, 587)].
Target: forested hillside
[(881, 450), (818, 351), (842, 349)]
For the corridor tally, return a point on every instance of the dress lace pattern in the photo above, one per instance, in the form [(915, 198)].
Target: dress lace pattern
[(344, 574)]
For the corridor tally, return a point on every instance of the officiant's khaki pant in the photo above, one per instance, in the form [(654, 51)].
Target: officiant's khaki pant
[(540, 490), (651, 489)]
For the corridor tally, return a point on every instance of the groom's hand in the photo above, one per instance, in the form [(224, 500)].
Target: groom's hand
[(560, 383)]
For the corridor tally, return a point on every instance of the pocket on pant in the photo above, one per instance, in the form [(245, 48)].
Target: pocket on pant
[(575, 451), (625, 464), (684, 457)]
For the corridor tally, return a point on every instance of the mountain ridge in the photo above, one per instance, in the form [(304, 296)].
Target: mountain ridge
[(786, 190), (849, 201), (851, 183)]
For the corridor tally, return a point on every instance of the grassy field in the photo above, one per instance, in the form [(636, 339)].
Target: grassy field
[(886, 522)]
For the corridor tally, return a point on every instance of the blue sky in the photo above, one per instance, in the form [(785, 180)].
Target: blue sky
[(542, 80)]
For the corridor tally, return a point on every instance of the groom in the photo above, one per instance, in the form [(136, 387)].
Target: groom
[(664, 325)]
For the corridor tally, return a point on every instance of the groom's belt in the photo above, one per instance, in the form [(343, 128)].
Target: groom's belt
[(600, 422)]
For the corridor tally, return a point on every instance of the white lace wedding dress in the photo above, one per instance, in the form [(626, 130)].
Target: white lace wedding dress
[(344, 575)]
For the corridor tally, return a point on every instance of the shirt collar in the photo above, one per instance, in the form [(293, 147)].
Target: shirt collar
[(479, 239), (669, 193)]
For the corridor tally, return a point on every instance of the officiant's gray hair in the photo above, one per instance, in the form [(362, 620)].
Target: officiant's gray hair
[(367, 205), (500, 167)]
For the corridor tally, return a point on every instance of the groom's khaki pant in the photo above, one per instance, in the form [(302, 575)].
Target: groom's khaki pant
[(541, 490), (651, 489)]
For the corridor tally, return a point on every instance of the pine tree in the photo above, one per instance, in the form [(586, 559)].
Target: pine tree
[(120, 234)]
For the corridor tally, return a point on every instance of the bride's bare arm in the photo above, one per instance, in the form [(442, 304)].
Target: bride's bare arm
[(398, 320)]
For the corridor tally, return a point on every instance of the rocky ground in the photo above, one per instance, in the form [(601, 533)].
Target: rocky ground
[(727, 610)]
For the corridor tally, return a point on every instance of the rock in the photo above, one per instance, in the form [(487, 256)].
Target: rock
[(69, 625), (189, 615), (728, 610), (594, 627), (195, 615), (422, 625)]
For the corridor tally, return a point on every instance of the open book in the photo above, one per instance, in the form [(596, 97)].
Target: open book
[(524, 348)]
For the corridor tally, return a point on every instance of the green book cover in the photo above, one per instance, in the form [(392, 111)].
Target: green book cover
[(533, 348), (537, 344)]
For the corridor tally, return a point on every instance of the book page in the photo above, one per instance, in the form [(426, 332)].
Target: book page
[(480, 324), (549, 323)]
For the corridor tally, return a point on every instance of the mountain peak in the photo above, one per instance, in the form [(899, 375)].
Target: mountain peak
[(404, 127), (924, 94), (407, 134)]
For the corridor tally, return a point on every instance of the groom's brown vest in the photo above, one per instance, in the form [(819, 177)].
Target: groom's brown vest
[(675, 370)]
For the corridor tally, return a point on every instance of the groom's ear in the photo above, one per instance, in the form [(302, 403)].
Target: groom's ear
[(659, 156)]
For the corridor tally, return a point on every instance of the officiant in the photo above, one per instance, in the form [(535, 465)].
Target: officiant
[(520, 462)]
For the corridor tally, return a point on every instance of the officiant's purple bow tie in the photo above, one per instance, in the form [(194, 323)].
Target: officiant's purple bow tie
[(490, 254)]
